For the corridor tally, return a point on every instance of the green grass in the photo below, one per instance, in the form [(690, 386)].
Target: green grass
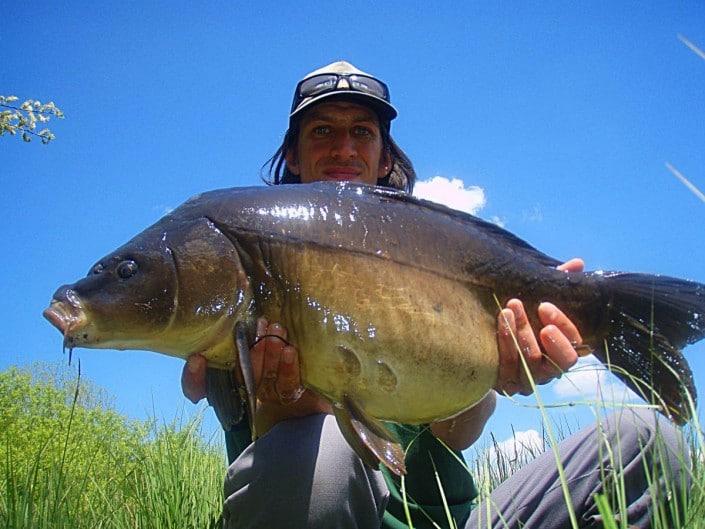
[(69, 461)]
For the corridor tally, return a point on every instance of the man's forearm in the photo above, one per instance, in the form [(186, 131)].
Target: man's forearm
[(463, 430)]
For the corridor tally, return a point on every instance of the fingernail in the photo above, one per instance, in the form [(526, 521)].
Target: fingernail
[(550, 310), (518, 311), (507, 318), (288, 355)]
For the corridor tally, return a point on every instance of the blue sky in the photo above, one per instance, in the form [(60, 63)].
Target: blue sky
[(563, 115)]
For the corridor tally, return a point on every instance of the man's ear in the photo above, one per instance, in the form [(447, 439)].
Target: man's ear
[(385, 164), (292, 161)]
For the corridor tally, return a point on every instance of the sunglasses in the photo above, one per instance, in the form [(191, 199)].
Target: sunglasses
[(323, 83)]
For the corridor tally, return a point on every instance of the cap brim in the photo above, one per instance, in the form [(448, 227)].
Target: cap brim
[(384, 110)]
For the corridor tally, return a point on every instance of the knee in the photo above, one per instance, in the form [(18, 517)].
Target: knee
[(643, 428), (644, 436), (303, 474)]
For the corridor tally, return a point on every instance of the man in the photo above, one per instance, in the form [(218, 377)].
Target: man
[(301, 472)]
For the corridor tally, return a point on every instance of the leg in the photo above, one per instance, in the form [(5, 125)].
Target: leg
[(302, 473), (639, 442)]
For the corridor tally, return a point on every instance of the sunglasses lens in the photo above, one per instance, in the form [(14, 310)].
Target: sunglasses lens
[(321, 84), (317, 85), (371, 86)]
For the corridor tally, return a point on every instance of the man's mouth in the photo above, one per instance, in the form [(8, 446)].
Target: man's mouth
[(341, 173)]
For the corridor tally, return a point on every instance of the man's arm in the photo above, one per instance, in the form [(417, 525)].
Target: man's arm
[(463, 430)]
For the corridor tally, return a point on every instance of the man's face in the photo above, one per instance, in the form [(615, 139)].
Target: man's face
[(339, 141)]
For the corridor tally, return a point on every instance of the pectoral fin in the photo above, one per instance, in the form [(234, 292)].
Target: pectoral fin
[(222, 394), (372, 442), (229, 399), (248, 393)]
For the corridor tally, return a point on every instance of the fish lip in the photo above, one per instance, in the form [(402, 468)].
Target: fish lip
[(66, 317)]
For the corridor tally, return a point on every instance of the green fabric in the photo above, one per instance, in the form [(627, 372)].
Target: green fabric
[(237, 439), (423, 497)]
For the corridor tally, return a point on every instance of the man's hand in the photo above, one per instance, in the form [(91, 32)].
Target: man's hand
[(274, 362), (193, 378), (280, 394), (558, 338), (276, 365), (548, 355)]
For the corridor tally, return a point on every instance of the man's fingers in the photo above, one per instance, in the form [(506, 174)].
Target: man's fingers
[(560, 354), (193, 378), (574, 265), (273, 345), (528, 345), (288, 384), (257, 360), (558, 338), (541, 372), (262, 325), (506, 332), (549, 314)]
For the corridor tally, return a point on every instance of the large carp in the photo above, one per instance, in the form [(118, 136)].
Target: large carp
[(391, 301)]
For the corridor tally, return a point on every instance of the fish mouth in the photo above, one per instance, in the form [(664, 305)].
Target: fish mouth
[(66, 317)]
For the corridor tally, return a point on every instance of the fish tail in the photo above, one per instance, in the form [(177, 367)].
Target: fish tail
[(650, 319)]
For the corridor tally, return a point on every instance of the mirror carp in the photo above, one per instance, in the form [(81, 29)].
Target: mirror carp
[(391, 301)]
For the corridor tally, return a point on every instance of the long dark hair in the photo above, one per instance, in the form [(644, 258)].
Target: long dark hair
[(402, 175)]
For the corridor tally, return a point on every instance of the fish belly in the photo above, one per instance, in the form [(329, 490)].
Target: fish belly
[(406, 344)]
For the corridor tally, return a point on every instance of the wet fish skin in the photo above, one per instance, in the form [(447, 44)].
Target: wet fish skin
[(182, 298), (391, 300)]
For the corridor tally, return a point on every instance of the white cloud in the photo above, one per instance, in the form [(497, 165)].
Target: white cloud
[(452, 193), (494, 219), (521, 447), (590, 380)]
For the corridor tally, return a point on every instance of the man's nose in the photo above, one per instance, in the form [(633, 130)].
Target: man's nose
[(344, 146)]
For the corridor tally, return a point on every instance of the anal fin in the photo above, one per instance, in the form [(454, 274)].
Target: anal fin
[(368, 437)]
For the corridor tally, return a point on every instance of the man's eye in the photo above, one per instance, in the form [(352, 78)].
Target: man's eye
[(321, 131), (363, 131)]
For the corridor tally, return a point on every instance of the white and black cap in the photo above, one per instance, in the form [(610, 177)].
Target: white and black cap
[(342, 80)]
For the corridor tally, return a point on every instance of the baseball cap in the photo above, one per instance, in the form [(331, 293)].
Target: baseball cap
[(342, 80)]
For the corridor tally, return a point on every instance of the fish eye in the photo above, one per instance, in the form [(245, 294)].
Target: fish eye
[(126, 269), (97, 269)]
